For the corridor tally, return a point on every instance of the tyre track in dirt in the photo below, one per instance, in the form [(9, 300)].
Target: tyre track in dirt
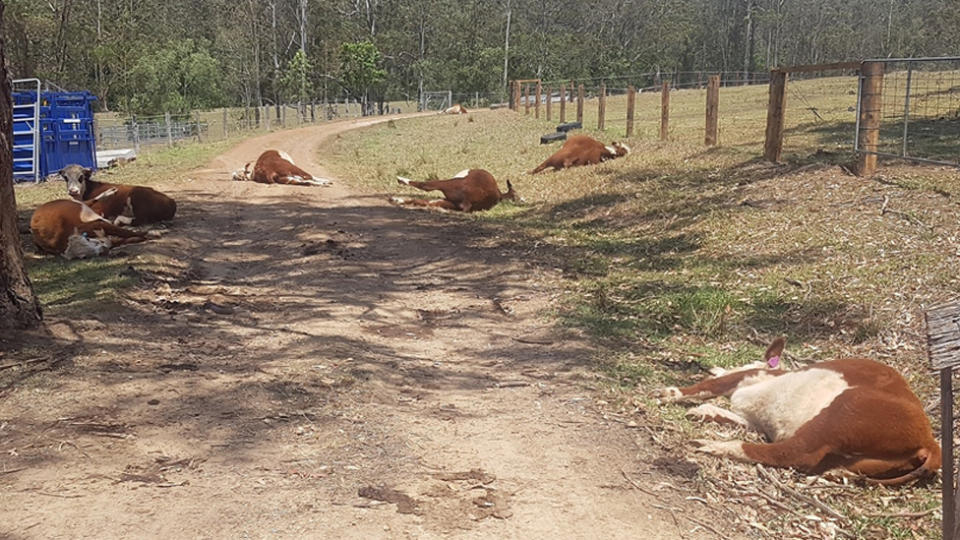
[(305, 346)]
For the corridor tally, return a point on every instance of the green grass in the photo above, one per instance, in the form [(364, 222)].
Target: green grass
[(679, 258)]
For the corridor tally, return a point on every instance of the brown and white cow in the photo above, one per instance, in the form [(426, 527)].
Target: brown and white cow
[(854, 413), (122, 204), (471, 190), (456, 109), (582, 150), (277, 167), (72, 229)]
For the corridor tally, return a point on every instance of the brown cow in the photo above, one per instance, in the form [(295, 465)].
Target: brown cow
[(582, 150), (122, 204), (471, 190), (853, 413), (277, 167), (456, 109), (73, 230)]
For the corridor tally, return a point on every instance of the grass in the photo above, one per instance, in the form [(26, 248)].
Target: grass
[(679, 258), (92, 285)]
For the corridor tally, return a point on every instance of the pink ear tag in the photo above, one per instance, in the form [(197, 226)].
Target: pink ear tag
[(773, 361)]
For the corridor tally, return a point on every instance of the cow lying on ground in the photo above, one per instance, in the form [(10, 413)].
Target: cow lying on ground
[(119, 203), (275, 167), (854, 413), (471, 190), (73, 230), (456, 109), (582, 150)]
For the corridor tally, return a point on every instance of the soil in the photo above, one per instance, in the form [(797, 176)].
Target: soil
[(314, 363)]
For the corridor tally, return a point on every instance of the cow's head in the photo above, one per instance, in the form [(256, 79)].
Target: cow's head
[(242, 175), (76, 178), (620, 149)]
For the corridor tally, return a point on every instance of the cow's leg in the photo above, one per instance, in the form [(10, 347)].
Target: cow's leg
[(797, 452), (717, 386), (432, 203), (716, 414), (541, 167), (124, 236)]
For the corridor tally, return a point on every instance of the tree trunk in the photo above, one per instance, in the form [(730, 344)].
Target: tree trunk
[(18, 305)]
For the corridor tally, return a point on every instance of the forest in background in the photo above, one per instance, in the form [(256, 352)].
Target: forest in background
[(147, 56)]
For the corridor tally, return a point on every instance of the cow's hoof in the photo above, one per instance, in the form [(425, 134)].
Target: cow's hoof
[(670, 393)]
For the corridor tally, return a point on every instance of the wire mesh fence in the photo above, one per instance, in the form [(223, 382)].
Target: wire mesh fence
[(115, 131), (920, 113)]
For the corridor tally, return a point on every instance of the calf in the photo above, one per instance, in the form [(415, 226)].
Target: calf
[(582, 150), (471, 190), (275, 167), (73, 230), (853, 413), (456, 109), (119, 203)]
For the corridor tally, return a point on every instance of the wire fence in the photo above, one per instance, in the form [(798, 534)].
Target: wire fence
[(920, 114), (114, 131)]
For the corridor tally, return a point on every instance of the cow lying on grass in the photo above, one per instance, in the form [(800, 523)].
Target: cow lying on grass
[(853, 413), (471, 190), (582, 150), (456, 109), (73, 230), (118, 203), (275, 167)]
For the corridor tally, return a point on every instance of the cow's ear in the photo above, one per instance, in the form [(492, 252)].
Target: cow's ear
[(775, 349), (87, 173)]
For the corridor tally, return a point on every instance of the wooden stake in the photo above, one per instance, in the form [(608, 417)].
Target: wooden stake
[(665, 111), (563, 102), (580, 104), (602, 106), (539, 96), (776, 112), (526, 99), (548, 97), (631, 106), (713, 108), (871, 105)]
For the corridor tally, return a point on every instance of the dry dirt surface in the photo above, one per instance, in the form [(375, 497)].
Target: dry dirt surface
[(317, 364)]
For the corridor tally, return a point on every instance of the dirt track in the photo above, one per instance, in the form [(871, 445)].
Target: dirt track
[(310, 346)]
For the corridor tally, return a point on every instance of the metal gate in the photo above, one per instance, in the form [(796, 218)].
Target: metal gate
[(436, 101), (919, 111)]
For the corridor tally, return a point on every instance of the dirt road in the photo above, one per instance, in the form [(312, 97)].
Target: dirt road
[(317, 364)]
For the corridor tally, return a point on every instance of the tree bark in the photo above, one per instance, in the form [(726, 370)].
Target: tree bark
[(18, 305)]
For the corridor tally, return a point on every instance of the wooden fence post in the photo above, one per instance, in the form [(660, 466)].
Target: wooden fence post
[(563, 102), (871, 103), (266, 116), (602, 106), (665, 111), (166, 119), (631, 105), (526, 99), (776, 111), (536, 111), (548, 97), (513, 96), (713, 106), (580, 104), (226, 132), (196, 120)]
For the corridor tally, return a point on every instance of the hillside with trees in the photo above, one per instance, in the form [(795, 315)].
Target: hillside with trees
[(144, 56)]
